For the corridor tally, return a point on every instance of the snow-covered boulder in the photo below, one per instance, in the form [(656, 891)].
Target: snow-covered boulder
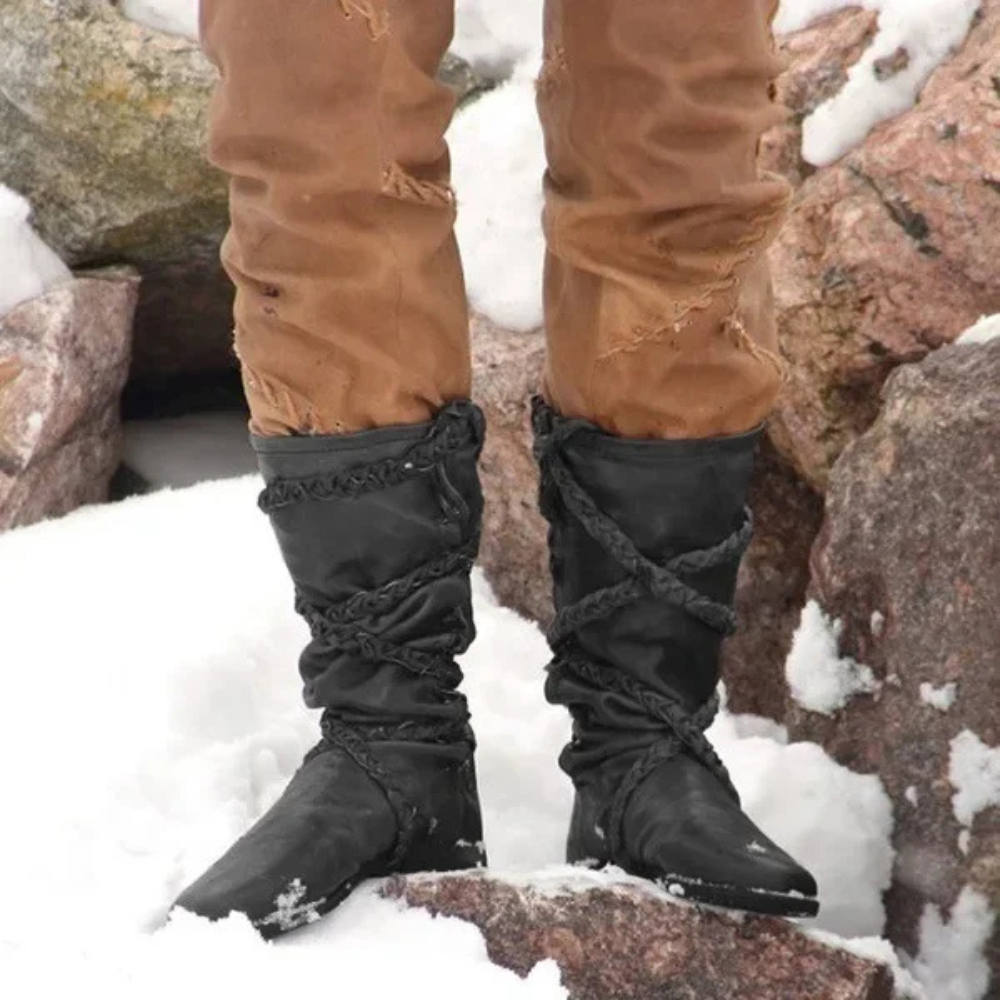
[(891, 251), (616, 937), (64, 358), (899, 675)]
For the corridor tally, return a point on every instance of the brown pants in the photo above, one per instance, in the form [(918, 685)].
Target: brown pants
[(350, 309)]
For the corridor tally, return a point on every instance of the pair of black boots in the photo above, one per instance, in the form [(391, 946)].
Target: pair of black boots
[(380, 531)]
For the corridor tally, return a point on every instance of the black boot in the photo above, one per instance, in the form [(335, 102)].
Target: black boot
[(379, 530), (646, 539)]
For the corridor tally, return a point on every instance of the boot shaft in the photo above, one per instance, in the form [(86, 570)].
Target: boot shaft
[(379, 531), (646, 538)]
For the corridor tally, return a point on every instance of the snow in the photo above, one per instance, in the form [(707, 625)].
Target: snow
[(176, 17), (974, 771), (942, 698), (987, 329), (928, 31), (496, 37), (182, 451), (172, 719), (499, 160), (820, 680), (952, 963), (28, 267)]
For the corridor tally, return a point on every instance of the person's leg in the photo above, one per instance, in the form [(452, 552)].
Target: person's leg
[(350, 303), (661, 367), (351, 326), (657, 298)]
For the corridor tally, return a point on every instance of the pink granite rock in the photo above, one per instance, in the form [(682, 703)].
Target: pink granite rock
[(629, 942), (908, 561), (889, 253), (63, 362), (507, 371)]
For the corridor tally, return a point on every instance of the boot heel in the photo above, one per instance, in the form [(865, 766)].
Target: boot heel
[(453, 840), (443, 854)]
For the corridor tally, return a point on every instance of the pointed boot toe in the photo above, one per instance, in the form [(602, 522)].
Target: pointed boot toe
[(329, 829), (646, 538), (684, 831)]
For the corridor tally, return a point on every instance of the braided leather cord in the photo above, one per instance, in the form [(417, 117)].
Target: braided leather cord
[(347, 624), (683, 731)]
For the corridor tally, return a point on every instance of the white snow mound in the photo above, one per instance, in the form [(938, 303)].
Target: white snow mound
[(28, 267)]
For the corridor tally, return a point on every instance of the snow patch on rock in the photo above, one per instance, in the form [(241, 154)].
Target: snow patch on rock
[(820, 679), (952, 963), (28, 267), (987, 329), (974, 771), (914, 38), (942, 698), (175, 17)]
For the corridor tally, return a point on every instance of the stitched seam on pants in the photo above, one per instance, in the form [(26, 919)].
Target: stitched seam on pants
[(757, 351), (282, 399), (378, 21), (642, 335), (397, 183)]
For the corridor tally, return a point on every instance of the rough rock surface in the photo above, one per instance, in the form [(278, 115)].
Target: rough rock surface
[(771, 587), (629, 942), (64, 358), (507, 372), (103, 124), (909, 561), (889, 253)]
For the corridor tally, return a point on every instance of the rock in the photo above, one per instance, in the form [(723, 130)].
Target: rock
[(889, 253), (507, 372), (771, 587), (104, 126), (104, 132), (908, 560), (64, 358), (631, 942)]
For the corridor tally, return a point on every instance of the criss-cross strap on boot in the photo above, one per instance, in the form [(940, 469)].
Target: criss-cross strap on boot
[(379, 530), (646, 539)]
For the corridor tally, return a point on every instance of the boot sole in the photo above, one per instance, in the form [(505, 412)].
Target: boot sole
[(731, 897)]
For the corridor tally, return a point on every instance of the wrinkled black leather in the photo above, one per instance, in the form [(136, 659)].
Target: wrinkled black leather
[(392, 785), (682, 823)]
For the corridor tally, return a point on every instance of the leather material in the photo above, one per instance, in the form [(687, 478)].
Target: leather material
[(379, 531), (639, 679)]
